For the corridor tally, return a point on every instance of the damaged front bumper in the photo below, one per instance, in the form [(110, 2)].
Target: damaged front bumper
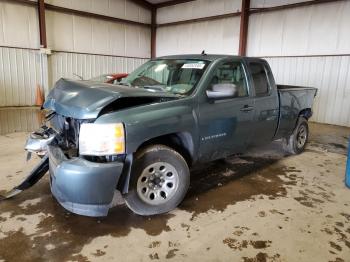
[(80, 186)]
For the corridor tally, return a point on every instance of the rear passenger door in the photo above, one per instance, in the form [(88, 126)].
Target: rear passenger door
[(266, 102)]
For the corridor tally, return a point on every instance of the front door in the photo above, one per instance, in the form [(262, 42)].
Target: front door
[(226, 125)]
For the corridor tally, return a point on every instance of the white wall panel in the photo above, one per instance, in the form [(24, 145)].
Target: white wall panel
[(197, 9), (271, 3), (318, 30), (89, 35), (19, 75), (330, 74), (124, 9), (19, 120), (218, 36), (63, 64), (18, 25)]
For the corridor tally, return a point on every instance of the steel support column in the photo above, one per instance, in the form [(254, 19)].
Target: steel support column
[(153, 32), (243, 32), (42, 23)]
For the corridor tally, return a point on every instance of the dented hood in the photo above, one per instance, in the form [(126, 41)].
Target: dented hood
[(86, 99)]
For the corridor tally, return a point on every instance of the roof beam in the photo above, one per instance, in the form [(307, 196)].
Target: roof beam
[(170, 3), (288, 6), (144, 4), (201, 19)]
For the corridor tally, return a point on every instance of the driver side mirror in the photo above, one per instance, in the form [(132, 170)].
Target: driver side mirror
[(221, 91)]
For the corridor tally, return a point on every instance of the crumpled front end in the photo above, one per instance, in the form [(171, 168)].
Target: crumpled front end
[(81, 186), (84, 185)]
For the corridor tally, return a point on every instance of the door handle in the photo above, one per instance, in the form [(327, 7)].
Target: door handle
[(247, 108)]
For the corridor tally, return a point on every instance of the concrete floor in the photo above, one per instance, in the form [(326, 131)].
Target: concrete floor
[(263, 206)]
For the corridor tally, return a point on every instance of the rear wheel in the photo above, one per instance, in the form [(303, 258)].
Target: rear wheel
[(159, 181), (295, 144)]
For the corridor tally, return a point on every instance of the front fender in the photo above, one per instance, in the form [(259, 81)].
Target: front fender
[(147, 122)]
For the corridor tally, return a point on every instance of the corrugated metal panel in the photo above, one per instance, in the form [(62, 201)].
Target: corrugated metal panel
[(67, 64), (318, 30), (124, 9), (72, 33), (18, 25), (270, 3), (19, 75), (218, 36), (19, 120), (197, 9), (331, 75)]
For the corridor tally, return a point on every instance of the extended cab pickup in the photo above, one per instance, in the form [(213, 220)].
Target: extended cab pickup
[(143, 135)]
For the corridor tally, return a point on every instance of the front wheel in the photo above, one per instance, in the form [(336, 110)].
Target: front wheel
[(159, 181), (295, 144)]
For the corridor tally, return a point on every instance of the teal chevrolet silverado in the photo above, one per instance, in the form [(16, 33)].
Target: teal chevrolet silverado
[(141, 136)]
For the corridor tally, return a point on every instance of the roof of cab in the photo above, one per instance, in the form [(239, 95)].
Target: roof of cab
[(208, 57)]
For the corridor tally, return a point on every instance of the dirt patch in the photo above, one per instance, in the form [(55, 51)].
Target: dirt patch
[(171, 253), (154, 256), (262, 257), (260, 244), (252, 177), (239, 245), (339, 146), (335, 246), (262, 214), (154, 244), (347, 216), (99, 253)]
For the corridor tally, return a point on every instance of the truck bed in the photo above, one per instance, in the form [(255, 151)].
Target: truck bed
[(292, 100)]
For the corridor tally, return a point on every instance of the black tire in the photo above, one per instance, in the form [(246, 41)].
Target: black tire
[(296, 143), (138, 199)]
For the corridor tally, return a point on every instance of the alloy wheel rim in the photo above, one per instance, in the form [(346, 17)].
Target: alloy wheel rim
[(158, 183), (301, 137)]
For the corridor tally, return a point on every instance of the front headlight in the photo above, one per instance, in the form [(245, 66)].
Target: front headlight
[(101, 139)]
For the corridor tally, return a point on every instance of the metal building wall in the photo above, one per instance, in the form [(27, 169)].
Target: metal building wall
[(21, 119), (305, 45), (197, 9), (19, 74), (330, 74), (309, 46), (62, 64), (88, 46), (74, 33), (217, 36), (18, 25)]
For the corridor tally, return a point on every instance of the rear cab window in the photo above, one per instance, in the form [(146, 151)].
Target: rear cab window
[(259, 78)]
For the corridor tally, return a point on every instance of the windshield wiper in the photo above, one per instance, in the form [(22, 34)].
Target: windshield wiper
[(157, 88), (124, 84)]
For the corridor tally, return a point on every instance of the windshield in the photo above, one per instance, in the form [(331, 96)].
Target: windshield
[(177, 76)]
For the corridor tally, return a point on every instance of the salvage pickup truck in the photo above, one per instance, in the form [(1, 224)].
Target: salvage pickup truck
[(142, 136)]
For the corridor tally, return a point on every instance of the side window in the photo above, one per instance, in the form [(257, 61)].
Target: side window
[(259, 76), (230, 74)]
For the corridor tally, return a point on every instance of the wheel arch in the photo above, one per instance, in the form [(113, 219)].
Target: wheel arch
[(181, 142), (306, 113)]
